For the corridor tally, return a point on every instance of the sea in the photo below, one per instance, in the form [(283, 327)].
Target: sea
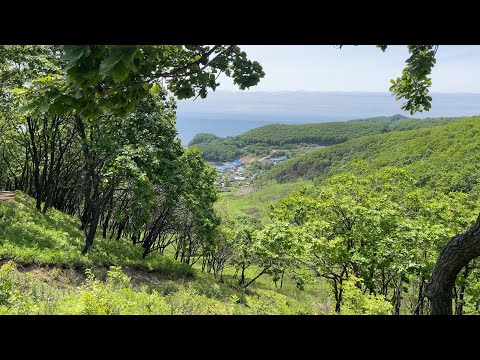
[(230, 113)]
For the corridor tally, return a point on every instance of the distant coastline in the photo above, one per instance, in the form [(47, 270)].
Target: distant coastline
[(229, 113)]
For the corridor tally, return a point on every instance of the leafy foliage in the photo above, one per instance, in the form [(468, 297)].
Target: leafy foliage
[(269, 138), (414, 83), (357, 303), (442, 157), (114, 78), (202, 138), (94, 135), (381, 228)]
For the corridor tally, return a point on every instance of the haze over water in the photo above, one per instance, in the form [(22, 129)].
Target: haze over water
[(228, 113)]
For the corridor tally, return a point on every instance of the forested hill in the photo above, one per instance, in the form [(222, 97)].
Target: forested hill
[(443, 157), (262, 140)]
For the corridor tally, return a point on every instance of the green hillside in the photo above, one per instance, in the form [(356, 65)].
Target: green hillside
[(442, 157), (387, 204), (258, 203), (103, 211), (264, 139), (43, 272), (318, 134)]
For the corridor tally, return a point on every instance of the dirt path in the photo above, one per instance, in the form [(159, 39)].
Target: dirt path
[(244, 191), (6, 195)]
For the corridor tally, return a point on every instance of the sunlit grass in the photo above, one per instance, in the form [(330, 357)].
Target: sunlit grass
[(47, 250), (28, 236), (258, 203)]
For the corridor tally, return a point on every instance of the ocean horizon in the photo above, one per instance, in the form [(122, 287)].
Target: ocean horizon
[(229, 113)]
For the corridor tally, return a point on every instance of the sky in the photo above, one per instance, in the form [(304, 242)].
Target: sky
[(356, 68), (329, 84)]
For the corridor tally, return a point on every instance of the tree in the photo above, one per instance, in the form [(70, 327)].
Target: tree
[(276, 248), (381, 228), (116, 77), (104, 90), (125, 151), (461, 249), (244, 237), (19, 65)]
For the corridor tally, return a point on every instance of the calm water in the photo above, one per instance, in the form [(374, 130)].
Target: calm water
[(226, 113)]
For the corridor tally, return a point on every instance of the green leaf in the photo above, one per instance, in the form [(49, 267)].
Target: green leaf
[(19, 91), (119, 63), (120, 72), (28, 107), (108, 64), (155, 89), (43, 108), (75, 52)]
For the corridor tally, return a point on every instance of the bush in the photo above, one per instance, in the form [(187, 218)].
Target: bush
[(189, 302), (6, 282), (269, 302), (117, 297), (357, 303), (117, 279)]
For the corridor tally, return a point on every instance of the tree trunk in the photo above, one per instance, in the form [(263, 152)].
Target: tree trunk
[(337, 289), (398, 296), (256, 277), (91, 231), (120, 229), (242, 277), (461, 292), (105, 224), (455, 255), (419, 308), (32, 126)]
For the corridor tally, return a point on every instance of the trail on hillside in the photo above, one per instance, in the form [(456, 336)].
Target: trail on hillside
[(244, 191), (6, 195)]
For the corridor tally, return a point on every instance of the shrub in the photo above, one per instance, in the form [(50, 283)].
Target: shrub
[(357, 303), (189, 302), (117, 297), (6, 282)]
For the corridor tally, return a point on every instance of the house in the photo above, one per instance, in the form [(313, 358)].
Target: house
[(279, 159), (240, 170)]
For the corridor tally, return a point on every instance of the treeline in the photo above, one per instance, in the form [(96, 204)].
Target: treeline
[(383, 207), (219, 149), (121, 174), (381, 233), (381, 210), (264, 139), (374, 238), (441, 157)]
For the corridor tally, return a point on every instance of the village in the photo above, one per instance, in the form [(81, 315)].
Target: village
[(242, 173)]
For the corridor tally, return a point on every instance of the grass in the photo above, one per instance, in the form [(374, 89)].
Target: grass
[(42, 271), (27, 236), (258, 202), (51, 291)]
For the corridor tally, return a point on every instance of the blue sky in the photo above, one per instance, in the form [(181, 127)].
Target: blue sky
[(357, 68)]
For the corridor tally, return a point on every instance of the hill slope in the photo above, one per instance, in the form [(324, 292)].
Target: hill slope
[(43, 272), (288, 137), (445, 157)]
